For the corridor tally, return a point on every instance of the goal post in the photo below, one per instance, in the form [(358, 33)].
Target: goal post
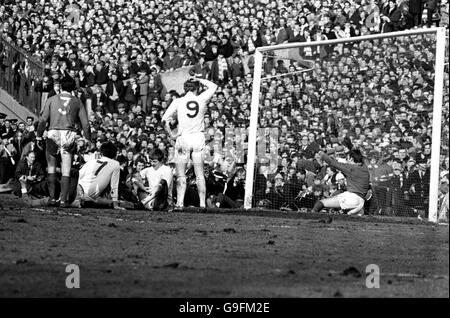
[(258, 79), (437, 123), (254, 109)]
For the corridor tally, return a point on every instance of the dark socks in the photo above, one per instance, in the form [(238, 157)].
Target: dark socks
[(318, 206), (52, 185), (73, 187), (65, 184)]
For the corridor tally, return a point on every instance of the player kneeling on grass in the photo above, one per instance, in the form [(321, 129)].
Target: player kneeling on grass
[(358, 184), (98, 175), (159, 179), (190, 139)]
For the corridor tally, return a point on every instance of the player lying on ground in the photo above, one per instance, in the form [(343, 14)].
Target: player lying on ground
[(98, 175), (158, 177), (62, 113), (190, 139), (358, 183)]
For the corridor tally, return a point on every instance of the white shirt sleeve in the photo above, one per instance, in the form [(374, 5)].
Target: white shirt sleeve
[(171, 111), (211, 89)]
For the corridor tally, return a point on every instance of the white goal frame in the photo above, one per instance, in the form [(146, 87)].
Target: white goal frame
[(437, 106)]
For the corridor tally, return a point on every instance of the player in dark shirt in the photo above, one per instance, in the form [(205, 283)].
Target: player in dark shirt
[(61, 115), (358, 183)]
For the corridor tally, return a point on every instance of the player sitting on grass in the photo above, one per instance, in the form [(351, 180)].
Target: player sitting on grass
[(98, 175), (159, 179), (358, 184), (190, 139)]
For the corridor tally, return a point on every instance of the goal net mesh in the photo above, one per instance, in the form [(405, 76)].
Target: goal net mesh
[(374, 95)]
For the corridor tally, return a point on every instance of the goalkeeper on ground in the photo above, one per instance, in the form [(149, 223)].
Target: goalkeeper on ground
[(358, 183)]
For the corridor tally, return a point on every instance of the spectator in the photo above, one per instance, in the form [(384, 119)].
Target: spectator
[(99, 100), (101, 74), (7, 162), (390, 17), (200, 69), (220, 70), (415, 9), (142, 81), (30, 178), (398, 185), (419, 185), (131, 93), (139, 65), (171, 61), (114, 92), (433, 15), (234, 193)]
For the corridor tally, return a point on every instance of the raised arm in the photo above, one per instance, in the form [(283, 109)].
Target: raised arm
[(210, 88), (309, 165), (344, 167)]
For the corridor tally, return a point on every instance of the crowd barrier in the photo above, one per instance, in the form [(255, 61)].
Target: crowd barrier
[(19, 75)]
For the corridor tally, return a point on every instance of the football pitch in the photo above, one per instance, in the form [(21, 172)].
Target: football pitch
[(217, 254)]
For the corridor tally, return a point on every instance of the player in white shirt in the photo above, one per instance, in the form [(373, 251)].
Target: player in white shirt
[(159, 179), (190, 112), (95, 177)]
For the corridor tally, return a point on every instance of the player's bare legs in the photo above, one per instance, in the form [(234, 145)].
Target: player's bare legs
[(357, 210), (197, 159), (332, 203), (51, 167), (66, 165), (79, 198), (181, 182)]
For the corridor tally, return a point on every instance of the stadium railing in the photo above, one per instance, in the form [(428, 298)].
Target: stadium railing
[(19, 75)]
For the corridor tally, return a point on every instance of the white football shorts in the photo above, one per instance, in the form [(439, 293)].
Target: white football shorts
[(187, 144), (350, 201), (64, 139)]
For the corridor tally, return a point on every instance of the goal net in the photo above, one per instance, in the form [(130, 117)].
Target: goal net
[(383, 94)]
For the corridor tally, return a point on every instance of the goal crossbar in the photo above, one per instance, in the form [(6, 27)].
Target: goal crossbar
[(369, 37)]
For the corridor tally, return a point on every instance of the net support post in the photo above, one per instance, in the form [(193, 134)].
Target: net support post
[(436, 125), (254, 110)]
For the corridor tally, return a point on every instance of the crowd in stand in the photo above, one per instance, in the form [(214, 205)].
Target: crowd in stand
[(373, 95)]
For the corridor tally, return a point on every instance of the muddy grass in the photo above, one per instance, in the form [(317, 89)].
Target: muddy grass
[(232, 254)]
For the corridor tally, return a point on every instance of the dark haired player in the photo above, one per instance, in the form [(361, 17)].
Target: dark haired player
[(60, 116), (95, 177), (358, 183), (190, 110), (159, 179)]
